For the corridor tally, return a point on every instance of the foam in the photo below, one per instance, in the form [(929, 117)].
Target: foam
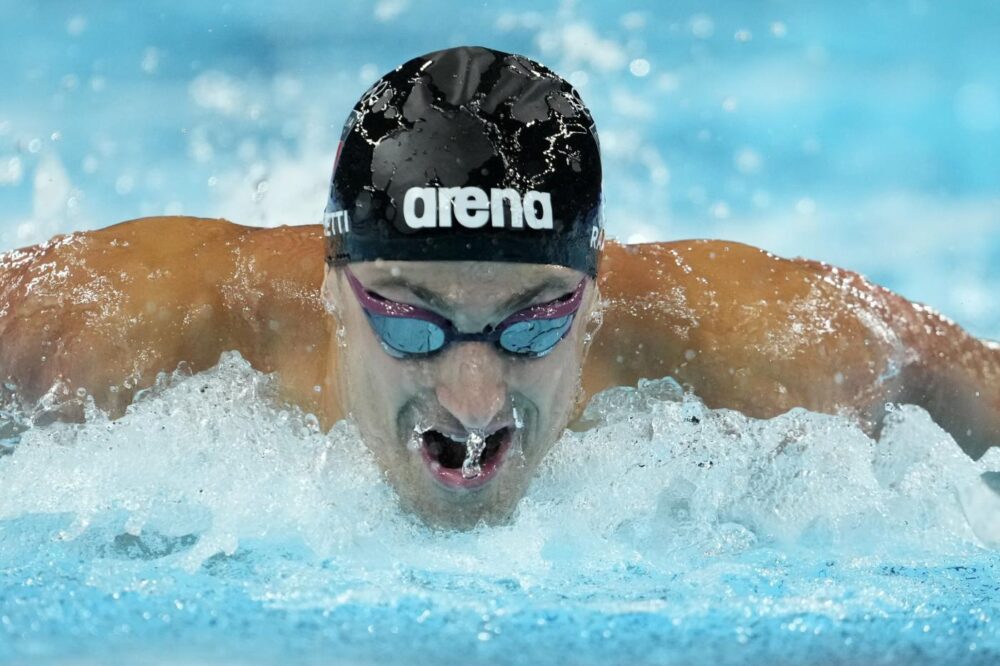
[(212, 516), (659, 477)]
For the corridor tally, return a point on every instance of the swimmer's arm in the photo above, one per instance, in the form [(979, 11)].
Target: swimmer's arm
[(105, 311), (753, 332), (956, 378), (743, 329)]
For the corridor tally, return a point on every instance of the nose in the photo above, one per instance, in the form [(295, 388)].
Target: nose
[(470, 384)]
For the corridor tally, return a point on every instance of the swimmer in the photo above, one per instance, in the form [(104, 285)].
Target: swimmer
[(460, 305)]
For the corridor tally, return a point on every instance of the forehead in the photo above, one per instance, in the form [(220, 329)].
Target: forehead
[(466, 282)]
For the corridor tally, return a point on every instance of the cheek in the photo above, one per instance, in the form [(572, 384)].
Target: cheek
[(377, 384), (550, 383)]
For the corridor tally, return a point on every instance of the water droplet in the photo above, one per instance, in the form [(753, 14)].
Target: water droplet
[(76, 25), (475, 443), (805, 206), (639, 67), (124, 184), (702, 26)]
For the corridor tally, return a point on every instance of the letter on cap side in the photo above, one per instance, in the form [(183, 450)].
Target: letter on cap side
[(531, 216), (446, 197), (513, 198), (470, 207), (427, 217)]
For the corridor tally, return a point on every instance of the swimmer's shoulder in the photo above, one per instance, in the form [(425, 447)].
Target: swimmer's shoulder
[(759, 329), (203, 247), (149, 237), (702, 267), (167, 236)]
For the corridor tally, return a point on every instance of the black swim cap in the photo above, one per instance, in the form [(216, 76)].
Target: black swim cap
[(468, 154)]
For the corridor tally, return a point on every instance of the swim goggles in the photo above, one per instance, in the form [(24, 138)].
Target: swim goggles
[(407, 331)]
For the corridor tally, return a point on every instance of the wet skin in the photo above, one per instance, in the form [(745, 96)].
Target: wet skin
[(107, 310)]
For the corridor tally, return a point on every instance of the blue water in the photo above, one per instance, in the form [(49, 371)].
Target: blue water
[(860, 133), (224, 529)]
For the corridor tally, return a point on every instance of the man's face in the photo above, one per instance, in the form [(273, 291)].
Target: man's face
[(416, 414)]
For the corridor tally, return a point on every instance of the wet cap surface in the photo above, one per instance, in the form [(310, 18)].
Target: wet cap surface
[(515, 137)]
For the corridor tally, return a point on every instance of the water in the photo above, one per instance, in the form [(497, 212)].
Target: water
[(474, 447), (211, 523)]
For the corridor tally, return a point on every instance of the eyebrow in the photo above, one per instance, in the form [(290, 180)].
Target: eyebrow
[(512, 304)]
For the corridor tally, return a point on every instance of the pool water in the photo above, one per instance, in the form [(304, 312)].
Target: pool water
[(209, 524)]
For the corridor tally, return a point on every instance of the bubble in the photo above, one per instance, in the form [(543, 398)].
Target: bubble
[(747, 160), (11, 171), (124, 184), (387, 10), (150, 60), (76, 25), (805, 206), (579, 78), (368, 73), (720, 210), (639, 67), (743, 35), (702, 26), (260, 190), (779, 29), (633, 20)]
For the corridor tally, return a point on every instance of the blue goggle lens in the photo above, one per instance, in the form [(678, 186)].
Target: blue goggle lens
[(404, 336), (535, 337)]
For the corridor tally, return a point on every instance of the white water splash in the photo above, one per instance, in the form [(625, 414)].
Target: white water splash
[(659, 479), (475, 443)]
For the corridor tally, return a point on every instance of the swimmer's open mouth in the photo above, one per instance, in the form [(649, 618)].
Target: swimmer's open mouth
[(445, 457)]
